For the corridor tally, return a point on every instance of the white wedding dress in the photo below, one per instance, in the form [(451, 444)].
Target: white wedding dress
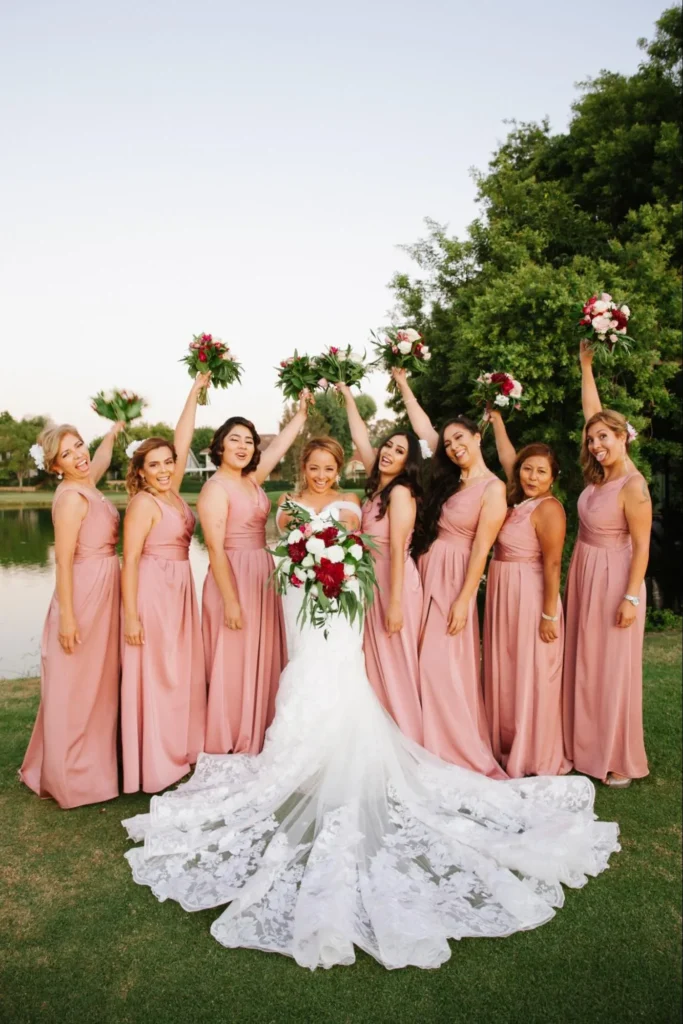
[(345, 833)]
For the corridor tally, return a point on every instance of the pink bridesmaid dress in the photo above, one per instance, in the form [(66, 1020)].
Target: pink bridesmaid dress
[(391, 662), (603, 664), (243, 666), (71, 756), (453, 716), (522, 674), (163, 686)]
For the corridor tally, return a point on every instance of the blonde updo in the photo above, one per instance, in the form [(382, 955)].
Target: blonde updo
[(593, 473), (134, 481), (50, 440)]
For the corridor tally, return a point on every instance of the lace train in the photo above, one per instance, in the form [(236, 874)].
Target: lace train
[(345, 833)]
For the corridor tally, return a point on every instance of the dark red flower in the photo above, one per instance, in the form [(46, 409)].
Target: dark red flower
[(333, 351), (622, 320), (295, 581), (589, 305), (506, 382), (356, 538), (201, 356), (331, 575), (297, 551), (328, 535), (207, 337)]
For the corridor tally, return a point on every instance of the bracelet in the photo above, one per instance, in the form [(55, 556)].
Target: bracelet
[(549, 618)]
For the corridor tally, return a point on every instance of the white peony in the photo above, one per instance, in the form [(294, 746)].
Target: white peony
[(600, 306), (601, 324), (356, 552), (349, 570), (132, 448), (427, 356), (425, 450), (605, 298), (625, 310), (300, 574), (335, 553), (352, 586), (501, 400), (295, 536), (517, 390), (424, 351), (285, 565), (405, 347), (310, 573), (38, 455), (315, 546), (308, 561), (408, 334)]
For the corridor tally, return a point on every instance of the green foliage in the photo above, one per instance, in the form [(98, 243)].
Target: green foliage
[(661, 620), (327, 416), (138, 432), (16, 438)]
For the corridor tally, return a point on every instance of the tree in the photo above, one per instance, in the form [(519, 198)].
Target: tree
[(16, 439), (379, 430), (202, 439), (137, 432), (327, 416)]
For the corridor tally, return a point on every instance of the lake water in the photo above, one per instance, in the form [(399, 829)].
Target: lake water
[(27, 579)]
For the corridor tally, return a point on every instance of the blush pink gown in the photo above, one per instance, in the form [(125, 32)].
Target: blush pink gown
[(163, 686), (391, 662), (603, 664), (243, 666), (522, 674), (453, 715), (71, 756)]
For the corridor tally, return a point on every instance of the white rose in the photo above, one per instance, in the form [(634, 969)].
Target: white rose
[(352, 586), (501, 400), (320, 522), (625, 310), (300, 574), (622, 330), (600, 306), (285, 565), (605, 298), (424, 350), (310, 573), (613, 338), (315, 546), (335, 553), (601, 324), (308, 561), (427, 356), (517, 390), (405, 347), (295, 536), (356, 552), (349, 570)]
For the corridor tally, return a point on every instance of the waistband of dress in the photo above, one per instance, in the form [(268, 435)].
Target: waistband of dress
[(258, 544), (502, 556), (96, 556), (168, 554), (452, 540), (603, 540)]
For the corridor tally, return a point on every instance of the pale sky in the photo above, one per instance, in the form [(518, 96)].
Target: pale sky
[(248, 169)]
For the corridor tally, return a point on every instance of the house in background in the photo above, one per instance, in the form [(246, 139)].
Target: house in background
[(354, 468)]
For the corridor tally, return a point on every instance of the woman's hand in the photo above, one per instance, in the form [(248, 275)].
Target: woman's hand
[(343, 389), (133, 632), (68, 634), (117, 428), (457, 617), (394, 619), (306, 399), (232, 614), (626, 615), (585, 352), (548, 631), (400, 375), (202, 380)]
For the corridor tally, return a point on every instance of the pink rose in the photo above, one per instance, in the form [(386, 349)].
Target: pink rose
[(323, 383)]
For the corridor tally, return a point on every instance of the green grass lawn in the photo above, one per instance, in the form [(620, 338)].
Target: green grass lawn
[(81, 943)]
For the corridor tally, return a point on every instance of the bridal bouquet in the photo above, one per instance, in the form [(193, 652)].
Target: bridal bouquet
[(339, 366), (332, 565), (297, 374), (402, 347), (499, 389), (605, 322), (118, 405), (211, 355)]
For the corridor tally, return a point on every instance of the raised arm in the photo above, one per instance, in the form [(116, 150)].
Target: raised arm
[(182, 438), (212, 508), (101, 460), (638, 511), (359, 430), (140, 517), (401, 512), (70, 510), (504, 446), (550, 524), (590, 399), (419, 420), (491, 518), (279, 447)]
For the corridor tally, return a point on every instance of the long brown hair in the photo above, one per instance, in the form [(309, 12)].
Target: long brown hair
[(515, 491), (445, 480), (593, 473), (134, 482)]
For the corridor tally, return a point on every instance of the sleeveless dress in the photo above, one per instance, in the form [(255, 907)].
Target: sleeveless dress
[(343, 832), (163, 687), (603, 664), (522, 674), (391, 661), (72, 753), (243, 666), (453, 715)]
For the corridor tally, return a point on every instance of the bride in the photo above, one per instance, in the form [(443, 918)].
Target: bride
[(345, 833)]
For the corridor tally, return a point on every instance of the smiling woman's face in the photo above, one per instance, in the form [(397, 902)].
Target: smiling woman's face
[(460, 446), (393, 455), (320, 471), (73, 459), (158, 469), (606, 446), (238, 448)]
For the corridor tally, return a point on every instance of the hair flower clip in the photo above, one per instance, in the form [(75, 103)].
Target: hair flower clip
[(132, 448), (425, 450), (38, 455), (631, 431)]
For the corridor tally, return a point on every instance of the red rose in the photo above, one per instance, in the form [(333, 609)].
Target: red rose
[(297, 551), (295, 581), (506, 382), (333, 351), (331, 575), (207, 337), (617, 315), (201, 356), (589, 305), (356, 538), (328, 535)]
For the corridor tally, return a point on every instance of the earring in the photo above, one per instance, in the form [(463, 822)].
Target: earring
[(59, 476)]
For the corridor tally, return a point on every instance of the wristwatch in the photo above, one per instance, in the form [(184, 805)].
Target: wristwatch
[(635, 601)]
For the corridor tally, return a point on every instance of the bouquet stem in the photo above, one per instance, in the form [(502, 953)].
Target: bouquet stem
[(203, 396)]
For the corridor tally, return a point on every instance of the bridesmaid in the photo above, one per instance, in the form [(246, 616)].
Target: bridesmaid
[(605, 602), (392, 624), (464, 510), (163, 688), (523, 624), (244, 638), (72, 753)]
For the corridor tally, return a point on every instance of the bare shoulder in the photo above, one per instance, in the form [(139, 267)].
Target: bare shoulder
[(401, 495), (549, 514), (495, 490), (69, 502), (350, 496), (142, 505), (636, 490), (212, 496)]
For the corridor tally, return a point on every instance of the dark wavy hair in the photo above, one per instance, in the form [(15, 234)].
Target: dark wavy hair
[(218, 439), (410, 476), (515, 491), (445, 480)]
